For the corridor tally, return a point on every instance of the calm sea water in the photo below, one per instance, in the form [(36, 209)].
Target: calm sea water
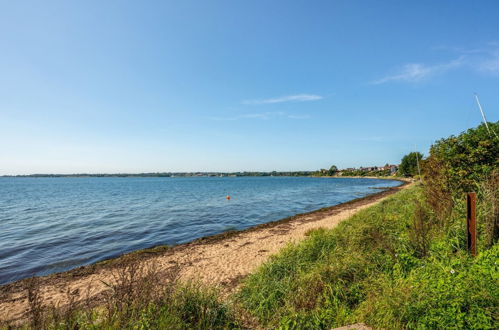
[(50, 225)]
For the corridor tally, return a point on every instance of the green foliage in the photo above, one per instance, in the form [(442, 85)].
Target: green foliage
[(323, 279), (382, 268), (359, 172), (458, 292), (409, 164), (467, 159)]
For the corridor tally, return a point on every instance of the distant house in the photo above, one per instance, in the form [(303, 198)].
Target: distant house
[(393, 169)]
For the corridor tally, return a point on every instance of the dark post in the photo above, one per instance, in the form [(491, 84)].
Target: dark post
[(471, 220)]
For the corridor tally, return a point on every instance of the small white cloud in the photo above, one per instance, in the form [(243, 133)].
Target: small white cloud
[(282, 99), (415, 72)]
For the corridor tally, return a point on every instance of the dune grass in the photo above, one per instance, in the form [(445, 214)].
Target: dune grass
[(138, 297)]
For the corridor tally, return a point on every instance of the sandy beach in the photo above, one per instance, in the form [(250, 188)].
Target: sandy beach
[(220, 260)]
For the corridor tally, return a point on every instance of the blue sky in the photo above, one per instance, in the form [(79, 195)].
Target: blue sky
[(144, 86)]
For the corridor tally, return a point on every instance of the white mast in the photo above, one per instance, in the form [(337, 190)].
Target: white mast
[(483, 115)]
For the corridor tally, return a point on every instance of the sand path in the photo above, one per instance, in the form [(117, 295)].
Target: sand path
[(221, 260)]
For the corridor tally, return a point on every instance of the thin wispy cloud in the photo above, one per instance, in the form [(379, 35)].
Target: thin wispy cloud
[(415, 72), (483, 60), (490, 65), (283, 99)]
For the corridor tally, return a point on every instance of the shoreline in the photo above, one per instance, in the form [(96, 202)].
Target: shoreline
[(215, 260), (163, 247), (394, 178)]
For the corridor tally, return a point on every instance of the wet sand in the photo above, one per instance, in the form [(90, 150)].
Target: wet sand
[(221, 260)]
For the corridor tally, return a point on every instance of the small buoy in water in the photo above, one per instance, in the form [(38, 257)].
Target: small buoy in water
[(228, 197)]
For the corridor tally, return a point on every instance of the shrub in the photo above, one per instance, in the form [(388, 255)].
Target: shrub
[(465, 160)]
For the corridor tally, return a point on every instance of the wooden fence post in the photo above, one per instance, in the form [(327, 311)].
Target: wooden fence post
[(471, 222)]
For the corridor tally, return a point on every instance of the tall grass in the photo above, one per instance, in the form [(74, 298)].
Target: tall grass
[(138, 297), (391, 266)]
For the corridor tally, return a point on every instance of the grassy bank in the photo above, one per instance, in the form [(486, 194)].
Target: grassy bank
[(371, 269), (402, 263)]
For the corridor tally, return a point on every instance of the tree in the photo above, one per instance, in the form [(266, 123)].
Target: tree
[(332, 170), (409, 164)]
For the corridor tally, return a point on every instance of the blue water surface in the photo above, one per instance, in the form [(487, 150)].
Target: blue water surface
[(50, 225)]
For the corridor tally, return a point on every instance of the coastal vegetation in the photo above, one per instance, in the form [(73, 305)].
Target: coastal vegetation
[(371, 171), (139, 297), (402, 263), (391, 266)]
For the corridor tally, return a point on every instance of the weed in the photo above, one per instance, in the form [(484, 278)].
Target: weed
[(36, 310)]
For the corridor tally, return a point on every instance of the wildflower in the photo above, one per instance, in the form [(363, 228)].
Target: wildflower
[(452, 271)]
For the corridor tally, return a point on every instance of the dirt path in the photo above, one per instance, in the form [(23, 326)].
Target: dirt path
[(221, 260)]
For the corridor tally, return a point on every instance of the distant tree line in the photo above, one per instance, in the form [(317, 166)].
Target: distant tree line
[(170, 174), (362, 171)]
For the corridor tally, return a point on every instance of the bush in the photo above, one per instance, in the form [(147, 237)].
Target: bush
[(464, 160)]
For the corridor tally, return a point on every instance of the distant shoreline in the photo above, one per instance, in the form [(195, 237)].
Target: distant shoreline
[(198, 175), (165, 175)]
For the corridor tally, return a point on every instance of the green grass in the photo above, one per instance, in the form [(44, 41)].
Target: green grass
[(370, 269)]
